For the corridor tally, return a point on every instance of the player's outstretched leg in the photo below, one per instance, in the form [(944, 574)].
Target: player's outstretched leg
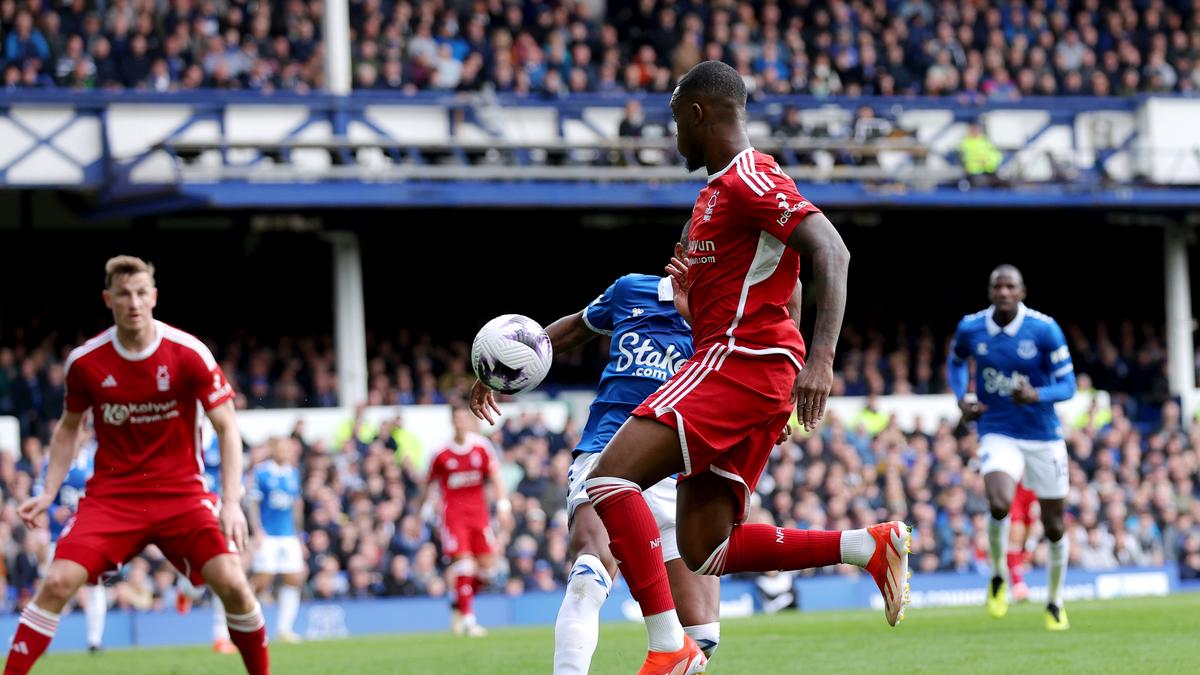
[(707, 500), (1053, 522), (640, 454), (247, 629), (1000, 488), (97, 608), (577, 629), (39, 619)]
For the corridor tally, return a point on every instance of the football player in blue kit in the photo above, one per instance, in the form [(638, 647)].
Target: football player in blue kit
[(1022, 368), (650, 339), (275, 488), (65, 504)]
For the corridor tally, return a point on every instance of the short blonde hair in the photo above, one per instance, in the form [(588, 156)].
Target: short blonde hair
[(123, 265)]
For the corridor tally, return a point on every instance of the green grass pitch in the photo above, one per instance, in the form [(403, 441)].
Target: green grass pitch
[(1153, 635)]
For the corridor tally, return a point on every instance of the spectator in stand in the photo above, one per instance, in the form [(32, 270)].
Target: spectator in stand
[(979, 156)]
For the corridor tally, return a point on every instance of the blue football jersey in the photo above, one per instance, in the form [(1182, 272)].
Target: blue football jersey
[(276, 489), (212, 465), (1031, 348), (73, 488), (650, 341)]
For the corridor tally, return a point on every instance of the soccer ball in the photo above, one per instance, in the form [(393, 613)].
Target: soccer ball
[(511, 354)]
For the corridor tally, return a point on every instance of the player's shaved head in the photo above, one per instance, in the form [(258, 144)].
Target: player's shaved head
[(709, 107), (1009, 271), (1006, 290), (683, 236), (712, 81)]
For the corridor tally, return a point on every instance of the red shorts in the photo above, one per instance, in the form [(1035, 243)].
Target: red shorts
[(729, 408), (459, 540), (107, 532), (1022, 500)]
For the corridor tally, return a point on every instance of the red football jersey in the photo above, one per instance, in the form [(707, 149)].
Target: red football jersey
[(460, 472), (742, 273), (146, 408)]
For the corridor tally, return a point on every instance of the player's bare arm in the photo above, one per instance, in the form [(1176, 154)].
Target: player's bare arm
[(63, 445), (816, 238), (254, 515), (499, 489), (233, 520), (793, 306), (424, 506)]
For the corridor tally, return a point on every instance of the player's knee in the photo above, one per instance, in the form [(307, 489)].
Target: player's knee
[(59, 587), (226, 579), (1054, 530), (999, 508)]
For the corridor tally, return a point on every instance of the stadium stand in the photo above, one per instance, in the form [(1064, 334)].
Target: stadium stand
[(974, 51), (299, 372)]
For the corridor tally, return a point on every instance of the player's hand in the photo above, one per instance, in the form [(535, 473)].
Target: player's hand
[(427, 513), (483, 402), (1025, 394), (811, 392), (678, 271), (785, 434), (32, 509), (233, 524), (971, 408)]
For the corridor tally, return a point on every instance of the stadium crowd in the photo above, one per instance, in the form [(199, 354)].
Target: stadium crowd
[(1133, 500), (417, 369), (980, 50)]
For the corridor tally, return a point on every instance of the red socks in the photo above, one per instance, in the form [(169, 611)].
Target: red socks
[(1014, 567), (464, 594), (248, 632), (636, 542), (765, 548), (34, 632)]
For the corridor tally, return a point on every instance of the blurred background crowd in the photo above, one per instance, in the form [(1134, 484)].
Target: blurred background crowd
[(983, 49), (1133, 500)]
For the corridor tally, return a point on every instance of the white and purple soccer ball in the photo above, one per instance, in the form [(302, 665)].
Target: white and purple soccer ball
[(511, 354)]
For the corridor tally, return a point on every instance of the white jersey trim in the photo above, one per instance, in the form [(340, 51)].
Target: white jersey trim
[(766, 260), (714, 176), (666, 292), (1011, 328), (587, 322), (190, 341), (759, 182), (745, 491), (469, 443), (143, 354), (89, 347), (770, 350)]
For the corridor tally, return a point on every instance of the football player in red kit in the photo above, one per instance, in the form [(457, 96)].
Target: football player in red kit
[(460, 471), (715, 421), (146, 384)]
